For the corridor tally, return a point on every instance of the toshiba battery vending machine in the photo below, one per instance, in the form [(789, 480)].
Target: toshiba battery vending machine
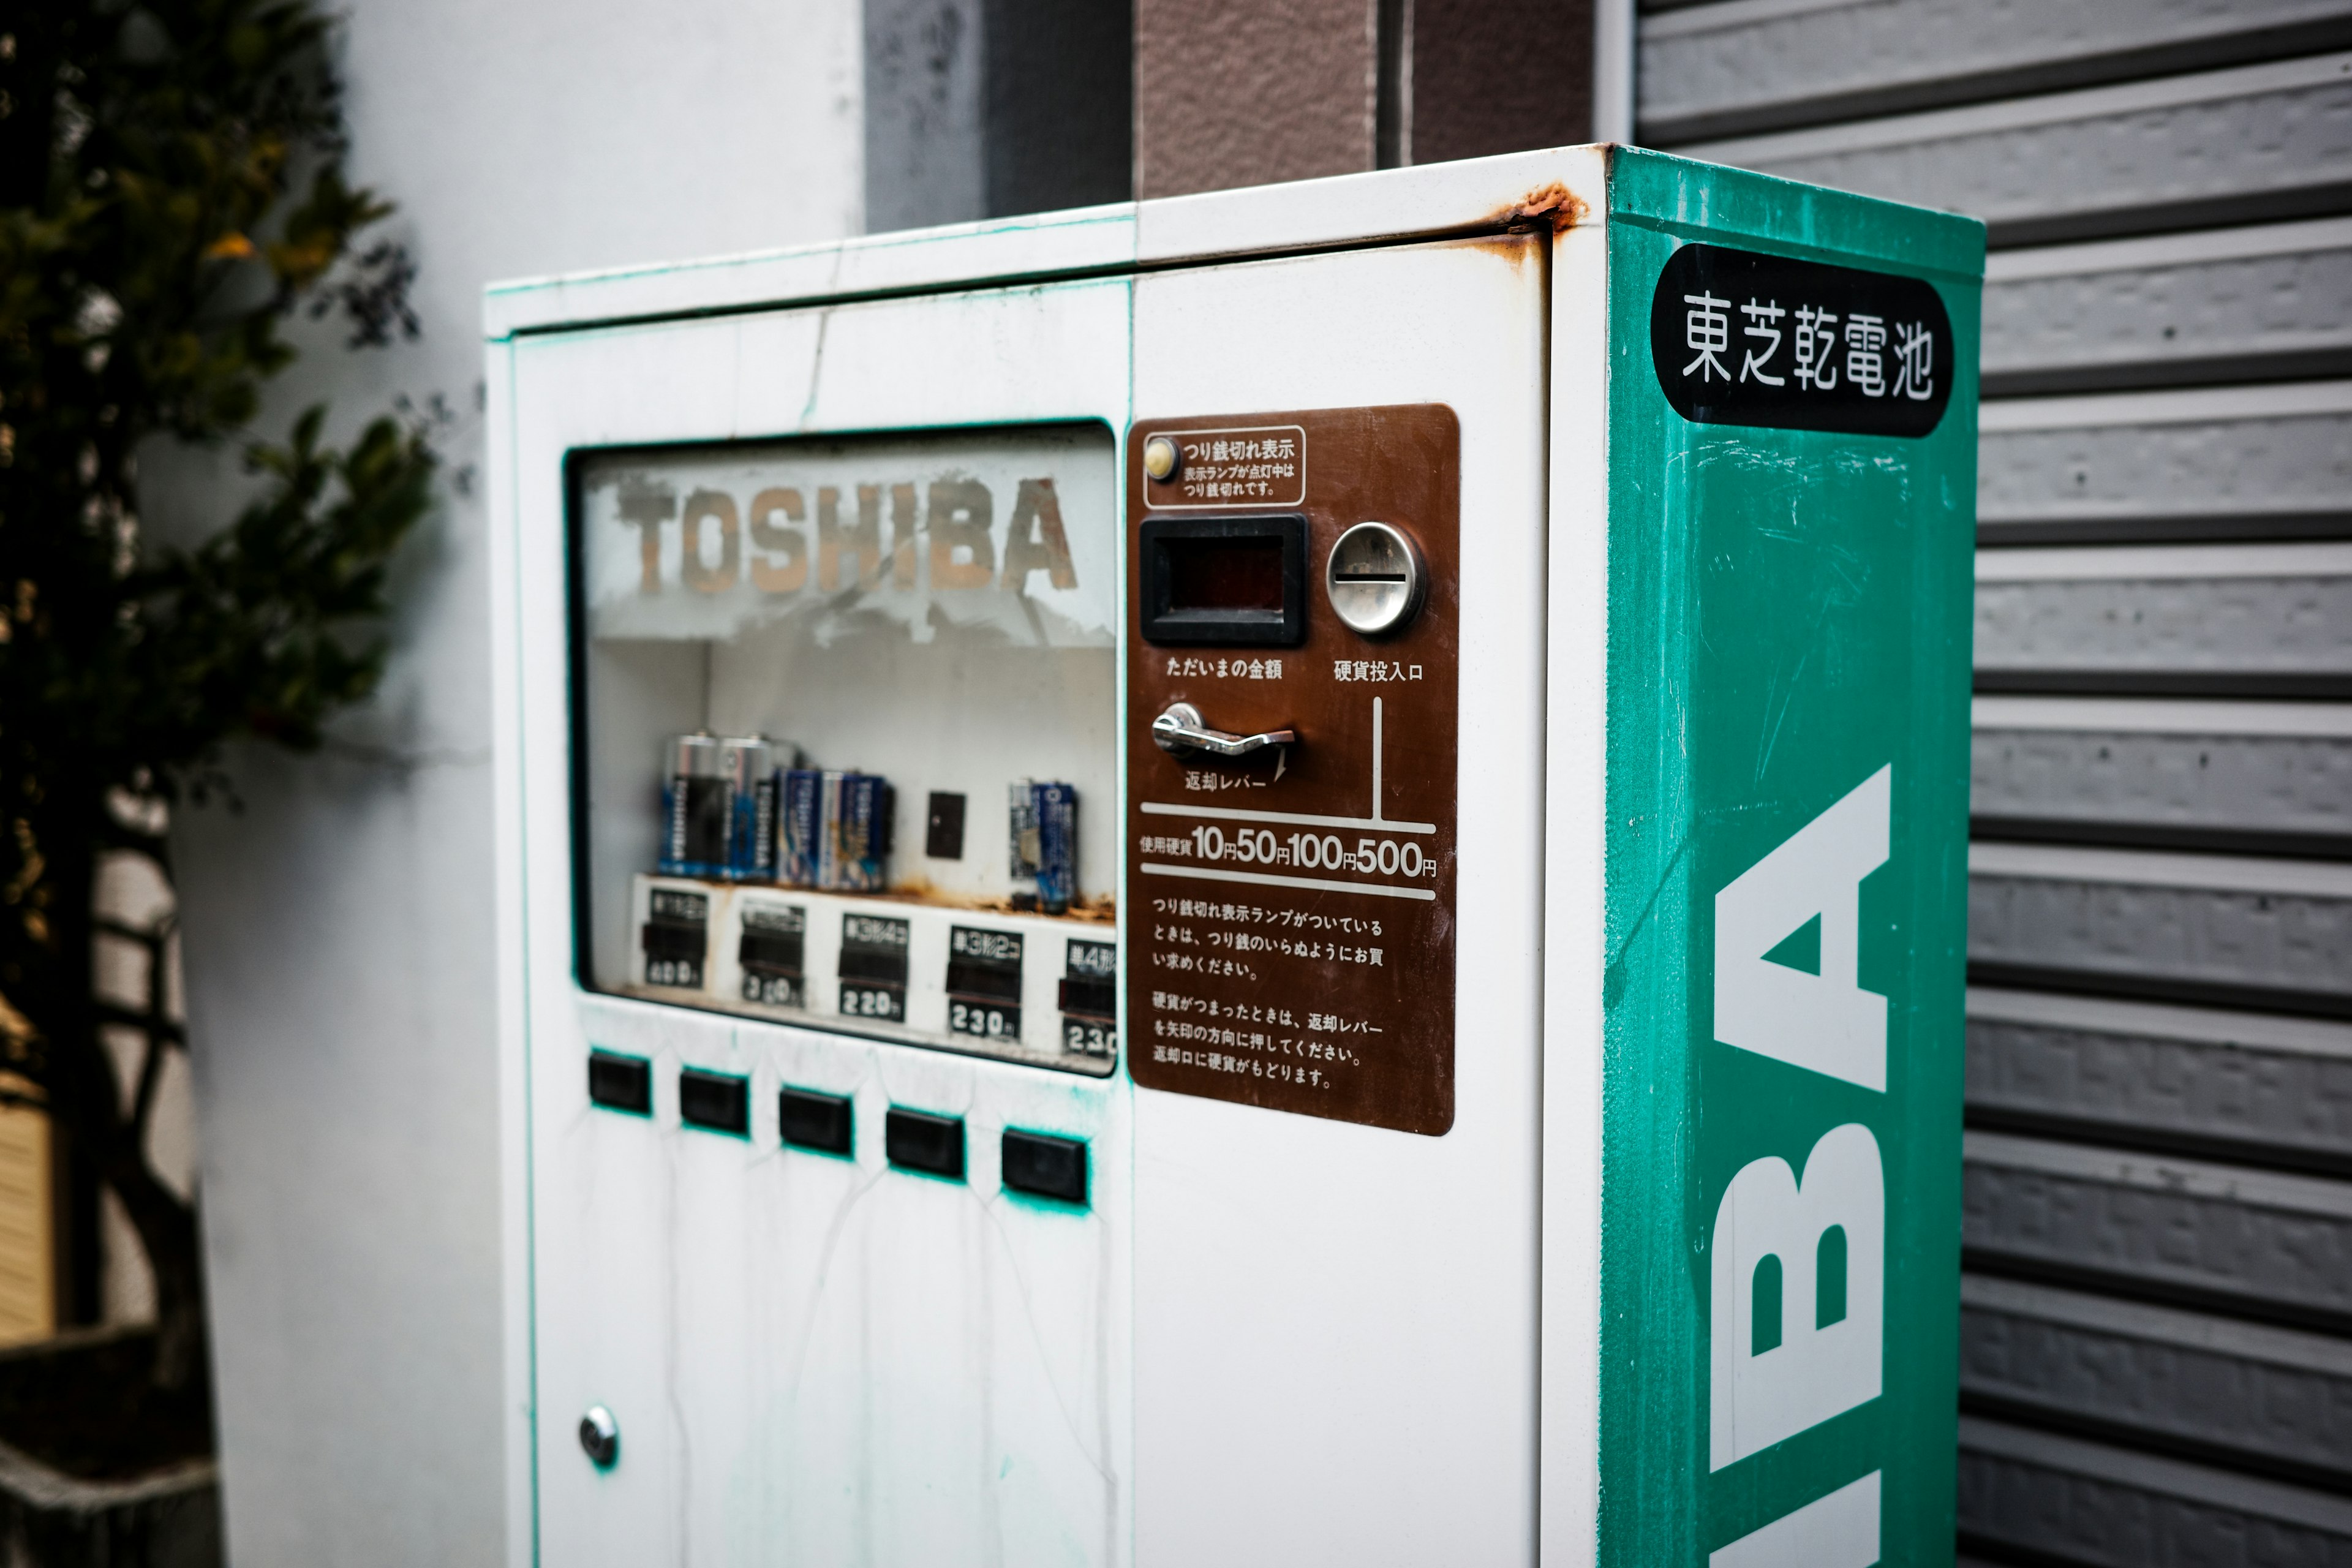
[(1269, 878)]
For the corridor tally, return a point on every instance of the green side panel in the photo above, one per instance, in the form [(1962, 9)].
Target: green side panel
[(1789, 613)]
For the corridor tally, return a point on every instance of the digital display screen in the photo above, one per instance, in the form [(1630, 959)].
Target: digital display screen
[(1236, 581), (1242, 573)]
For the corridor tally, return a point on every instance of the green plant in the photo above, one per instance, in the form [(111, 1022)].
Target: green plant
[(171, 195)]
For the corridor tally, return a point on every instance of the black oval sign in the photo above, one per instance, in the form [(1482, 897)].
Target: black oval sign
[(1740, 338)]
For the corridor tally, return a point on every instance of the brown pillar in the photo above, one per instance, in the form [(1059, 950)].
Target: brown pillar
[(1245, 93)]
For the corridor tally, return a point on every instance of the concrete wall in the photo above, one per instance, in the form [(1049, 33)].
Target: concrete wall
[(338, 929)]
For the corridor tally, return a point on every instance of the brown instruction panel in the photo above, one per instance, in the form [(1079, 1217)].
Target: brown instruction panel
[(1290, 915)]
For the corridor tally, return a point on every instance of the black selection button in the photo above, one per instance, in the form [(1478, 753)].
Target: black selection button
[(808, 1120), (621, 1083), (918, 1141), (1045, 1165), (717, 1100)]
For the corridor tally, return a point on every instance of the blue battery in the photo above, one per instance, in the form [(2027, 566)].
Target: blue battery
[(1057, 847), (854, 846), (748, 764), (799, 826)]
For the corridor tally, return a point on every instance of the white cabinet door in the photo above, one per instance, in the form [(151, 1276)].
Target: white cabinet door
[(1336, 1352)]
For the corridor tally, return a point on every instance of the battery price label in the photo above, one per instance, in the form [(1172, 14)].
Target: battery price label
[(671, 906), (772, 990), (679, 972), (884, 1003), (988, 1020)]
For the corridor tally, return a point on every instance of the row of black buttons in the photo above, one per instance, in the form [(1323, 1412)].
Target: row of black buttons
[(1036, 1162)]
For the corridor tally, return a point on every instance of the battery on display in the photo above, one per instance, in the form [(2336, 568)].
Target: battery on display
[(853, 841), (800, 819), (1042, 840), (694, 807), (747, 763)]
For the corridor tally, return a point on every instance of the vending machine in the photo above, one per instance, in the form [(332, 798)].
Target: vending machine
[(1268, 877)]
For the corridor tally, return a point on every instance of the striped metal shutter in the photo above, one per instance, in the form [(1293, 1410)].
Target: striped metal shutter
[(2157, 1309)]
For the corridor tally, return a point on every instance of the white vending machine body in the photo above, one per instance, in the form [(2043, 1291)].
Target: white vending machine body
[(1057, 1009)]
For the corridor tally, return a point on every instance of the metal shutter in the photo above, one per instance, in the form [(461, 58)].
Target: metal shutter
[(2156, 1311)]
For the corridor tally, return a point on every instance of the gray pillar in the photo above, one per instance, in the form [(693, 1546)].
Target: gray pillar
[(987, 108)]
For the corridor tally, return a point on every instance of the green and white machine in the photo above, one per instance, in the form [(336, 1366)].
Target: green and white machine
[(1339, 929)]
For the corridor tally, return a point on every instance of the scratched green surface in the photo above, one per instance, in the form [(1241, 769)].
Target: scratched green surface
[(1788, 611)]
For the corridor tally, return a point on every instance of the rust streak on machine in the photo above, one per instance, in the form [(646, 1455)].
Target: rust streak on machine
[(1555, 204)]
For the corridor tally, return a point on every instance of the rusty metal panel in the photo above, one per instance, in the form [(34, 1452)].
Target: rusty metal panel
[(2110, 1508), (2241, 145), (1752, 65), (2258, 461), (2238, 1392), (2254, 1087), (2249, 620), (2208, 928), (2260, 1245), (2273, 299)]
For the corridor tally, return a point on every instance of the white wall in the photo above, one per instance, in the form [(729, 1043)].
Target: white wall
[(338, 930)]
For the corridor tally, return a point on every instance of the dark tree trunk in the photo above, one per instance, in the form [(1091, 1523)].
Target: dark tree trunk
[(86, 1095)]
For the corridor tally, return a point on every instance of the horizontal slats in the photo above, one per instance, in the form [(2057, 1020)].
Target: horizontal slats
[(2251, 1087), (1755, 65), (2252, 619), (2257, 1244), (2253, 143), (2211, 1388), (2254, 462), (2206, 929), (2271, 301), (2270, 778), (2062, 1499)]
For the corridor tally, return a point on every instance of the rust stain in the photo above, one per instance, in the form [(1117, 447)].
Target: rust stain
[(1554, 203), (1100, 910)]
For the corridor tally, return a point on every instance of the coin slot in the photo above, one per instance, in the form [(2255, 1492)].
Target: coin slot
[(1374, 579)]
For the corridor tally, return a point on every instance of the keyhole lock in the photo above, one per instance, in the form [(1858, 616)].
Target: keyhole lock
[(600, 1436), (1374, 579)]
